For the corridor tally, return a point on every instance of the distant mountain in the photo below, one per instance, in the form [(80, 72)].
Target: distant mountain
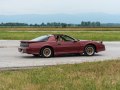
[(65, 18)]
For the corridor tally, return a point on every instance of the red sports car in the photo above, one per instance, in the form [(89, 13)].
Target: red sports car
[(59, 44)]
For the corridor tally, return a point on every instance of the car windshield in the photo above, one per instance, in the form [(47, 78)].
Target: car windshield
[(41, 38)]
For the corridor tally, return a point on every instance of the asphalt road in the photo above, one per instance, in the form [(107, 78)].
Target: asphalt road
[(11, 58)]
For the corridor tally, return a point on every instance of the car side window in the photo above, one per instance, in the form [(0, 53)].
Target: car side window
[(67, 38)]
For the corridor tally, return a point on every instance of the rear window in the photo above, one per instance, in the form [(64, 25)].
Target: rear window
[(41, 38)]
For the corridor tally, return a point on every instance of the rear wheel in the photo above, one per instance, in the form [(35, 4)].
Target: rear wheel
[(46, 52), (89, 50)]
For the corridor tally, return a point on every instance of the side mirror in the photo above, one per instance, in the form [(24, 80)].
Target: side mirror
[(75, 40)]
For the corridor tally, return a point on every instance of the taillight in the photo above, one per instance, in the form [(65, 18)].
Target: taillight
[(24, 44)]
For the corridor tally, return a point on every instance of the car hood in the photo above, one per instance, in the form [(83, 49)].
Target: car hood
[(86, 41), (90, 41)]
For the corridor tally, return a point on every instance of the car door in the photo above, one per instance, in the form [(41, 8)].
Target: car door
[(67, 45)]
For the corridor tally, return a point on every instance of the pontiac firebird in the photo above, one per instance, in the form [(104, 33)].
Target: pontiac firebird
[(59, 44)]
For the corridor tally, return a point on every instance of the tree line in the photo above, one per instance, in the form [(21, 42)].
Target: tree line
[(63, 25), (54, 24)]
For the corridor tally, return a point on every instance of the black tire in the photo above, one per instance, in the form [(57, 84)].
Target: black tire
[(46, 52), (36, 55), (89, 50)]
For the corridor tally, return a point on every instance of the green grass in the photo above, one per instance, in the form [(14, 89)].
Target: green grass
[(59, 29), (105, 34), (85, 76), (24, 35)]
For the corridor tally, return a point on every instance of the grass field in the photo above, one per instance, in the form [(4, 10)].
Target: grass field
[(24, 35), (85, 76), (57, 29), (105, 34)]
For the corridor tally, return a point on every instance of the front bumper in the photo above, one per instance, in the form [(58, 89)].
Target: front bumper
[(101, 48)]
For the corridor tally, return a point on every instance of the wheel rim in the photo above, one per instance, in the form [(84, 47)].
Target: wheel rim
[(90, 50), (47, 52)]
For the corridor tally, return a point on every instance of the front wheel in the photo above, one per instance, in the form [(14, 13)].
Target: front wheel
[(46, 52), (89, 50)]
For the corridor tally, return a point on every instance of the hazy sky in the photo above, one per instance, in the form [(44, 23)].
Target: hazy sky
[(8, 7)]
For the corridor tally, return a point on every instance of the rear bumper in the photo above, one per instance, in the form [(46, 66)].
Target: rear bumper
[(24, 50)]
